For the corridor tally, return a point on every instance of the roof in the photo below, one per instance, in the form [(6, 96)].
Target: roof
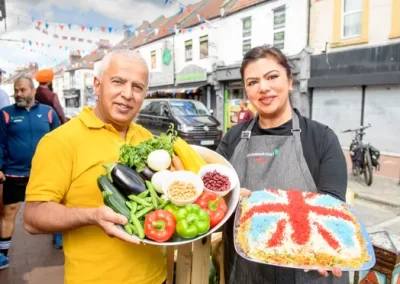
[(87, 62), (243, 4), (29, 72), (208, 11)]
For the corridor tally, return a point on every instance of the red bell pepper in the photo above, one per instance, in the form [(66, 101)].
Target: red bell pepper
[(214, 205), (159, 225)]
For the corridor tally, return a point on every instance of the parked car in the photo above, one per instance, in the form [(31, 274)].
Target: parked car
[(191, 118)]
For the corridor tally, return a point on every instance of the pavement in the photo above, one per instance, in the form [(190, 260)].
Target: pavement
[(33, 260)]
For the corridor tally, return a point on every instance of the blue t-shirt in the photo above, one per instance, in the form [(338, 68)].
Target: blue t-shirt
[(20, 132)]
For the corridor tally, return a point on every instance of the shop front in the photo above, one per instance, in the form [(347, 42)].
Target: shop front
[(192, 82), (233, 92), (359, 87)]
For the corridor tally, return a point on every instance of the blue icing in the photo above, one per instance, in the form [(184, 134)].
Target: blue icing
[(261, 223), (342, 230), (259, 196), (328, 201)]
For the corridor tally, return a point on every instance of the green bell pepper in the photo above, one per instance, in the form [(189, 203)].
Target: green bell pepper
[(173, 209), (192, 221)]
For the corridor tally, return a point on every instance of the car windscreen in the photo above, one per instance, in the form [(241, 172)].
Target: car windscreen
[(186, 108)]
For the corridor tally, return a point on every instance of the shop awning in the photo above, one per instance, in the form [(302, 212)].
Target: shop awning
[(179, 89)]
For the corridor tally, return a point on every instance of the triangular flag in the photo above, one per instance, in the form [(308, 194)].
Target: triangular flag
[(110, 29), (90, 28), (128, 32), (69, 26), (30, 42), (136, 32), (181, 10), (47, 25), (190, 30), (156, 31), (39, 23), (83, 28), (61, 27), (103, 29)]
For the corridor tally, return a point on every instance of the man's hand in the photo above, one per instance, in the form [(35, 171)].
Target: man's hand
[(107, 219), (337, 272), (2, 176), (244, 192)]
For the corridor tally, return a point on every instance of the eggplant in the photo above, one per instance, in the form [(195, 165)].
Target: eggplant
[(147, 174), (125, 179)]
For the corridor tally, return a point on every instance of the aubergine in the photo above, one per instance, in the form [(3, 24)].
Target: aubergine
[(125, 179), (147, 173)]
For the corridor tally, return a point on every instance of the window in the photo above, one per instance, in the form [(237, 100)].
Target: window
[(153, 60), (151, 108), (188, 50), (204, 47), (247, 27), (246, 45), (352, 18), (246, 35), (185, 108), (279, 27)]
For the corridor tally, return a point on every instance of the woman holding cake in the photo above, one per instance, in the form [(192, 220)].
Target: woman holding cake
[(279, 149)]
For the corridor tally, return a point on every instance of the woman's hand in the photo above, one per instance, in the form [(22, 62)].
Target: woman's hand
[(337, 272), (244, 192)]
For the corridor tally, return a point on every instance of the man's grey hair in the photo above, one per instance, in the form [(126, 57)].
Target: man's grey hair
[(29, 79), (127, 53)]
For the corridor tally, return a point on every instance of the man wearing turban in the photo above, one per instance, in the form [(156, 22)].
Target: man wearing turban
[(45, 94)]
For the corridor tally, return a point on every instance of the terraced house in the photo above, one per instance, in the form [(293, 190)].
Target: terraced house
[(355, 70), (196, 53)]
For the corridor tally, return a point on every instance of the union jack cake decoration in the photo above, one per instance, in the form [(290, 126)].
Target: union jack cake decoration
[(299, 229)]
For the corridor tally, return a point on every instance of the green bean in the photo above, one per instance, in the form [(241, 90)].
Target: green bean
[(134, 207), (138, 227), (144, 211), (128, 229), (153, 193), (144, 194), (139, 200), (128, 204)]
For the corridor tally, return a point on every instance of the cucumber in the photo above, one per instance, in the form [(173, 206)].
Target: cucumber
[(112, 197)]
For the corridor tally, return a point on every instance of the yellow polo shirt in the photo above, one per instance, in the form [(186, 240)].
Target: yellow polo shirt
[(65, 168)]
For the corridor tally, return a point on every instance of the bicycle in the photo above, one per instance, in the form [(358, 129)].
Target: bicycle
[(364, 156)]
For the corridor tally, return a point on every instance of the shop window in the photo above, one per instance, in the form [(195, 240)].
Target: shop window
[(351, 18), (279, 27), (204, 47), (247, 27), (188, 50), (246, 35), (153, 60), (153, 109), (246, 45)]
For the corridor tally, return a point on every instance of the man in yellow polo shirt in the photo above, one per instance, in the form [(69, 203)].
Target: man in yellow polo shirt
[(63, 196)]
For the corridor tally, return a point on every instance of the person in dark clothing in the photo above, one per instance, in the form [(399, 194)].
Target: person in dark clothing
[(22, 126), (45, 94), (245, 113), (279, 149)]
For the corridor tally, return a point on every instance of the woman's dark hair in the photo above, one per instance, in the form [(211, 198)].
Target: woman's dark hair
[(265, 51)]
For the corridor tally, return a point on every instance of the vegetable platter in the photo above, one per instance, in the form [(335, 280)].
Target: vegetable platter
[(171, 192)]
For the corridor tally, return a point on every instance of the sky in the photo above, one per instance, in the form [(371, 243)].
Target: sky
[(23, 16)]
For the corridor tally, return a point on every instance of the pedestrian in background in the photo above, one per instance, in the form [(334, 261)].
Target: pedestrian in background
[(63, 195), (4, 101), (45, 94), (22, 125), (245, 113)]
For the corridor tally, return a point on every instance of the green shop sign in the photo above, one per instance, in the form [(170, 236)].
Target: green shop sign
[(191, 73)]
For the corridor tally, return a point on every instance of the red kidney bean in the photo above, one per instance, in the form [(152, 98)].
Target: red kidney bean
[(216, 181)]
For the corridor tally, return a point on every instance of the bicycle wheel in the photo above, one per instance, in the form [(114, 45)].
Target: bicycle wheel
[(367, 167)]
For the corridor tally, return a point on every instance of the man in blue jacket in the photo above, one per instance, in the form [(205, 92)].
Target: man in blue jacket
[(22, 125)]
